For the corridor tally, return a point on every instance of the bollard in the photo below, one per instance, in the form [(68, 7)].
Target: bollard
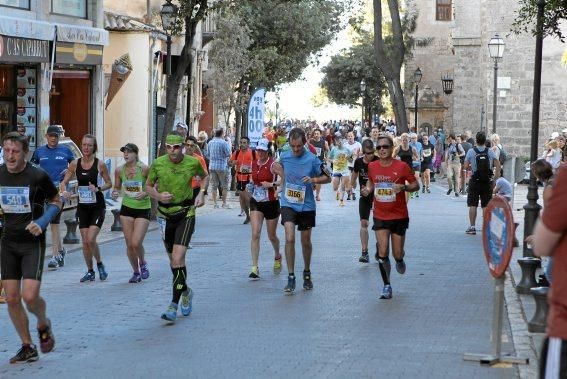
[(71, 236), (529, 266), (538, 323), (116, 226)]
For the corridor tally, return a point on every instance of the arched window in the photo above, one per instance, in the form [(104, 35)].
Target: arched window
[(444, 11)]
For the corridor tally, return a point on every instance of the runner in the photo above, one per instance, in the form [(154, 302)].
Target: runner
[(321, 150), (242, 160), (25, 190), (355, 149), (173, 174), (300, 171), (416, 164), (407, 154), (91, 208), (391, 219), (135, 211), (264, 204), (54, 158), (427, 155), (360, 171), (341, 175)]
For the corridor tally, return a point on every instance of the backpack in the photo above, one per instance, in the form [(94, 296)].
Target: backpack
[(483, 172), (503, 157)]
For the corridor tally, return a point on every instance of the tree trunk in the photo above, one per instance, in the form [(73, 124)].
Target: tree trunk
[(398, 105)]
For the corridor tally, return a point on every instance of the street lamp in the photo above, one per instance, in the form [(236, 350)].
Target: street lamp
[(168, 15), (447, 83), (496, 50), (362, 93), (417, 79)]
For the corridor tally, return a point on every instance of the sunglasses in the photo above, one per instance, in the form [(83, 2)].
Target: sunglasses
[(369, 152), (383, 147), (173, 147)]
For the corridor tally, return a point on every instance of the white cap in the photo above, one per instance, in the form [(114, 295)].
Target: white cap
[(554, 135), (263, 144)]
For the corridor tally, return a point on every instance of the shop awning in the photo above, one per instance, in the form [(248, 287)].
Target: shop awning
[(24, 28), (81, 34)]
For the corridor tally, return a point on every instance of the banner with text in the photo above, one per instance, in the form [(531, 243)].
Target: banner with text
[(256, 116)]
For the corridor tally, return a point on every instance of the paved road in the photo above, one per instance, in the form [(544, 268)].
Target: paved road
[(441, 308)]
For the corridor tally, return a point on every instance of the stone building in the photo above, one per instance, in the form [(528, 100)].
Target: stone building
[(459, 32)]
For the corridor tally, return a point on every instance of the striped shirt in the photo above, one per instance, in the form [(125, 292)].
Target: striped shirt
[(219, 152)]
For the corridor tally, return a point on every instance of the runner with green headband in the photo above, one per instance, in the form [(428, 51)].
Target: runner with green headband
[(176, 218)]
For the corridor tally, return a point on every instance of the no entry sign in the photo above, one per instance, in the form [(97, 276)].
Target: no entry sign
[(498, 235)]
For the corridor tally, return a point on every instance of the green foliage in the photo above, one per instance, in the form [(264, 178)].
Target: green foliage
[(555, 12)]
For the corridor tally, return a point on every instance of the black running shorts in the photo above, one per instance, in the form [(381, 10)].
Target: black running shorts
[(90, 216), (270, 209), (134, 213), (397, 227), (22, 260), (365, 206), (176, 231), (303, 220)]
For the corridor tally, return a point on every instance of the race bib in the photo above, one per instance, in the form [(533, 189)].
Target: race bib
[(384, 192), (245, 169), (161, 223), (260, 193), (132, 188), (426, 152), (86, 196), (295, 193), (318, 150), (15, 199)]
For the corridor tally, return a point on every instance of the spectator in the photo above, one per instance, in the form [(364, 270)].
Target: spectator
[(202, 138), (219, 152), (553, 154)]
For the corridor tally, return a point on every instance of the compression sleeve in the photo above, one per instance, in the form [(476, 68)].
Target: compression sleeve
[(49, 214)]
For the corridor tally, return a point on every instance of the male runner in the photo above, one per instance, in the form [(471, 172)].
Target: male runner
[(24, 191), (54, 158), (300, 170), (321, 150), (173, 173), (387, 178), (360, 171), (355, 149), (242, 160)]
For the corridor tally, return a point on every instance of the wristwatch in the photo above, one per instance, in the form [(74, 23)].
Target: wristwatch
[(274, 185), (404, 188)]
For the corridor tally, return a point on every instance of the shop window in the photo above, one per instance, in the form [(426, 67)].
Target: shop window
[(74, 8), (444, 11), (22, 4)]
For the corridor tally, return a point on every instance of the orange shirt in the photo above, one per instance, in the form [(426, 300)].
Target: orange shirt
[(196, 181), (243, 161)]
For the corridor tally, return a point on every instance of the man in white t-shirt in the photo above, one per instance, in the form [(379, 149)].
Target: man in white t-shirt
[(355, 149)]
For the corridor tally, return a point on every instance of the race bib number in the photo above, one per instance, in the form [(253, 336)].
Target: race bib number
[(426, 152), (318, 150), (15, 199), (161, 223), (295, 193), (86, 196), (132, 188), (260, 193), (384, 192), (245, 169)]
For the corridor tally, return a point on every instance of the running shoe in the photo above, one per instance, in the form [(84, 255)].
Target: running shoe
[(353, 196), (102, 274), (187, 302), (247, 221), (386, 292), (416, 194), (428, 190), (60, 258), (170, 313), (401, 267), (88, 277), (456, 194), (278, 265), (216, 206), (254, 274), (471, 230), (341, 203), (52, 264), (290, 284), (307, 283), (364, 257), (46, 339), (423, 189), (337, 195), (226, 206), (241, 213), (136, 278), (144, 272), (26, 354), (449, 191), (348, 197)]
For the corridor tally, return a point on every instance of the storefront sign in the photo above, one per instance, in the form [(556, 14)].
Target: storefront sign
[(82, 34), (78, 53), (14, 49)]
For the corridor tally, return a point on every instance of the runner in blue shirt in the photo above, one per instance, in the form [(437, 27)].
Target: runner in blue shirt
[(300, 171), (54, 159)]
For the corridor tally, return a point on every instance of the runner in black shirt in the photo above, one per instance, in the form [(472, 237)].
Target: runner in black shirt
[(24, 190)]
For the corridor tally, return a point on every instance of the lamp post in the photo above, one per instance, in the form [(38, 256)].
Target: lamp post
[(496, 50), (417, 79), (168, 15), (362, 93)]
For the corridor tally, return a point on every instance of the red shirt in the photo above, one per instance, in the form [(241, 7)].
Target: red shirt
[(553, 217), (243, 161), (387, 204), (196, 181), (311, 148), (263, 173)]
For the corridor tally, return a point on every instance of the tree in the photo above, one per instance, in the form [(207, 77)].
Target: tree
[(555, 13), (391, 51)]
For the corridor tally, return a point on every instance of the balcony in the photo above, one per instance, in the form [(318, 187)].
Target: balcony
[(208, 27)]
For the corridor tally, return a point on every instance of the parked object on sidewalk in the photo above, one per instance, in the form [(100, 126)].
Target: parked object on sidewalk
[(538, 323), (529, 265), (71, 236), (116, 226)]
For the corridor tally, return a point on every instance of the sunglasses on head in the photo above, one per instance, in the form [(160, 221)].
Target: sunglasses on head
[(176, 146), (382, 147)]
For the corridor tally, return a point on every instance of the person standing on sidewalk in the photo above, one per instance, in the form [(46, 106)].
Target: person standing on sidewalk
[(300, 170), (482, 162), (453, 155), (264, 204), (386, 179), (242, 160), (54, 158), (29, 202), (219, 153), (550, 240), (464, 173), (130, 178), (92, 207), (173, 174)]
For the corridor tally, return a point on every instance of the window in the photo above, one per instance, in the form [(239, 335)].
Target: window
[(75, 8), (23, 4), (444, 11)]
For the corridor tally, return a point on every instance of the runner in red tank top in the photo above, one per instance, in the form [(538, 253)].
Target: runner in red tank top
[(264, 204)]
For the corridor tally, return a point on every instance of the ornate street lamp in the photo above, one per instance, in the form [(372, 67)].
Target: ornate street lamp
[(417, 79), (447, 82), (496, 50), (168, 15), (362, 94)]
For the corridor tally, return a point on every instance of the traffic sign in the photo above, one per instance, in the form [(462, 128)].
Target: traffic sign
[(498, 235)]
